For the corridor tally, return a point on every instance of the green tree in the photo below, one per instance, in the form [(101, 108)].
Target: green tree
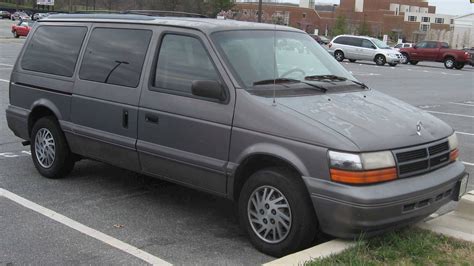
[(340, 27)]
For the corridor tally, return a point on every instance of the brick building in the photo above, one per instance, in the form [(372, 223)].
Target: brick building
[(411, 20)]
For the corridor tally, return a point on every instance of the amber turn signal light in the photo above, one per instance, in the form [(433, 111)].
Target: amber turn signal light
[(363, 177), (454, 155)]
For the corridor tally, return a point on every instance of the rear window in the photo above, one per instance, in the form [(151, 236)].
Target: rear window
[(115, 56), (341, 40), (54, 50)]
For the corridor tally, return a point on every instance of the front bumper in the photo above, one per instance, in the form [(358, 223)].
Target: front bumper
[(393, 60), (347, 211)]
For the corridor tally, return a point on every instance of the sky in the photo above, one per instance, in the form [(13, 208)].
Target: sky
[(447, 7)]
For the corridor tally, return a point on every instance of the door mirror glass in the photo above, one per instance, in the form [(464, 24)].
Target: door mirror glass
[(373, 47), (208, 89)]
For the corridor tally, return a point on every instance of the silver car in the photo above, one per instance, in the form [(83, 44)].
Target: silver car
[(363, 48)]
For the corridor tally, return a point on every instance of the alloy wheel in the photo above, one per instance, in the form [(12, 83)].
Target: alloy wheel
[(45, 148)]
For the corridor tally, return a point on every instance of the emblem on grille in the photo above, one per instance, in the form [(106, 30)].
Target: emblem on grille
[(419, 126)]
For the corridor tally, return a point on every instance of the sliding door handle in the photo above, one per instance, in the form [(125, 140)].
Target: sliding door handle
[(152, 119)]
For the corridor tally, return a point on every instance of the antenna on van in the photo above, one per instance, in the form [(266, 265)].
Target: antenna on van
[(275, 70)]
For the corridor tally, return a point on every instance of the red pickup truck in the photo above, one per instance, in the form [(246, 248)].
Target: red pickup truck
[(437, 52)]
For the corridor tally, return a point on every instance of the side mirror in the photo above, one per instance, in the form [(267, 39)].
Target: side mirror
[(414, 46), (373, 47), (208, 89)]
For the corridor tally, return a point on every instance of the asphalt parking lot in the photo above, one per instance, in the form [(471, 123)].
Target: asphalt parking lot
[(167, 221)]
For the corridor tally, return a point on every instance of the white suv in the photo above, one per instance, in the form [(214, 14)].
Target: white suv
[(363, 48)]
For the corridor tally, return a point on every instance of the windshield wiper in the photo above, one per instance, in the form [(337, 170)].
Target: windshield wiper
[(334, 78), (288, 80)]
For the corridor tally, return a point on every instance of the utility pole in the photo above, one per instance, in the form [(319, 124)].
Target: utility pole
[(259, 11)]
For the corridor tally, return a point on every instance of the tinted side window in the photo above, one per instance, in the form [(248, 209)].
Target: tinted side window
[(182, 59), (444, 45), (341, 40), (369, 44), (431, 45), (421, 45), (115, 56), (54, 50)]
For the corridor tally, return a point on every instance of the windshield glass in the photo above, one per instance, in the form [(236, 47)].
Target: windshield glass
[(297, 55), (380, 44)]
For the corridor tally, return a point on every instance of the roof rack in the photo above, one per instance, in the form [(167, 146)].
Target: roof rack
[(161, 13)]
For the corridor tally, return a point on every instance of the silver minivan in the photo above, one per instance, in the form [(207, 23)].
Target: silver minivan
[(363, 48), (256, 113)]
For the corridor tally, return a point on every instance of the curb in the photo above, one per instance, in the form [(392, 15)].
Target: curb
[(320, 251), (458, 223)]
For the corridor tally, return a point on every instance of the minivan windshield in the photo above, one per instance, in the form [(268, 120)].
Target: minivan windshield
[(380, 44), (297, 56)]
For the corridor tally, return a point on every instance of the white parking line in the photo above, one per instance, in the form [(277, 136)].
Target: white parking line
[(6, 65), (442, 113), (466, 163), (147, 257), (464, 133), (4, 80), (463, 104)]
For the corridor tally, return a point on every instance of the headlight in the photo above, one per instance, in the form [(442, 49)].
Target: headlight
[(364, 168), (453, 147)]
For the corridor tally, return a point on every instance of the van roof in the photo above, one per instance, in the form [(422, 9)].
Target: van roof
[(206, 25)]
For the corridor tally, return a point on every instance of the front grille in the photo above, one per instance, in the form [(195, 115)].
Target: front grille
[(422, 159)]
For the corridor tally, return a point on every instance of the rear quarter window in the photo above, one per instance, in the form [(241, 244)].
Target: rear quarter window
[(54, 50)]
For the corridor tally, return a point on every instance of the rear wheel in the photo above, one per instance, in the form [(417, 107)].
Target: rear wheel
[(49, 149), (339, 55), (352, 60), (276, 212), (449, 62), (405, 58), (459, 66), (380, 60), (413, 62)]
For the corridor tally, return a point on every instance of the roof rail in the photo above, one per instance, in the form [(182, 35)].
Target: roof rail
[(161, 13)]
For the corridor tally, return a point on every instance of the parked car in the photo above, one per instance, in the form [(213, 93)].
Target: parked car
[(320, 39), (22, 28), (363, 48), (5, 14), (471, 52), (20, 16), (403, 45), (301, 146), (436, 52), (38, 16)]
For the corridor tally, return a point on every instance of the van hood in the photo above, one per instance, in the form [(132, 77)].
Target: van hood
[(371, 120)]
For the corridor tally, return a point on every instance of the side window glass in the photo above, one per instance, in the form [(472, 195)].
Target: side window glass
[(115, 56), (432, 45), (356, 42), (182, 60), (368, 44), (398, 45), (421, 45), (54, 50)]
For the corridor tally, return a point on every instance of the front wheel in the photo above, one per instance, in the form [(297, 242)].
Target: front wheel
[(15, 34), (380, 60), (339, 55), (352, 60), (405, 59), (413, 62), (276, 212), (49, 149)]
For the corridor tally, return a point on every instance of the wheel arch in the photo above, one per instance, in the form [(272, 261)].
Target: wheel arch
[(260, 157), (42, 108)]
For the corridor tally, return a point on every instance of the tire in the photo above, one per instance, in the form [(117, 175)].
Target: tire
[(459, 66), (392, 64), (302, 223), (449, 62), (352, 60), (380, 60), (413, 62), (61, 160), (15, 34), (406, 58), (339, 55)]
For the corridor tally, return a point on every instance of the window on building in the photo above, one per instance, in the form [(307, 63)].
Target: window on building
[(54, 50), (115, 56), (425, 19), (425, 27), (304, 15), (182, 60), (452, 21), (439, 20), (412, 18)]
